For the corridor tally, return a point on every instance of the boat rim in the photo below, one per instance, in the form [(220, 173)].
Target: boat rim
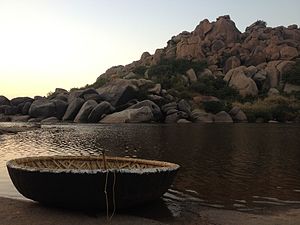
[(161, 165)]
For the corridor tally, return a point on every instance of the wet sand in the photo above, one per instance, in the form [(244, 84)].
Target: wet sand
[(16, 129), (19, 212)]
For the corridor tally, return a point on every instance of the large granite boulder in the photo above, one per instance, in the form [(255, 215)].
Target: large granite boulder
[(191, 75), (175, 116), (23, 118), (222, 117), (288, 53), (4, 100), (19, 100), (169, 106), (84, 112), (101, 109), (184, 106), (3, 108), (200, 116), (238, 115), (118, 92), (231, 62), (50, 120), (73, 109), (26, 107), (290, 88), (157, 114), (143, 114), (237, 79), (60, 108), (4, 118), (42, 109)]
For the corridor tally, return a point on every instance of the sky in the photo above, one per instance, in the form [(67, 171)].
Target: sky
[(46, 44)]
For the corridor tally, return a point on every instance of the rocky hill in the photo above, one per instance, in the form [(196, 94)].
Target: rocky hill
[(213, 74)]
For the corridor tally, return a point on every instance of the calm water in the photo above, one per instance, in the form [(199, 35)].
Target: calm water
[(242, 166)]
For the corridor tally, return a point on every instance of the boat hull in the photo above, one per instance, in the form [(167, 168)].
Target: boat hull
[(86, 189)]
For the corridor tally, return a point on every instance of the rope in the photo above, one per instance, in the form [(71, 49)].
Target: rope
[(106, 197), (109, 218), (114, 198)]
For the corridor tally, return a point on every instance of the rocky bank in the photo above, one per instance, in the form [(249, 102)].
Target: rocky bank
[(213, 74)]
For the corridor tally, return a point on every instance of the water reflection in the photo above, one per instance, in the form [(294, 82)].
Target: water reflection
[(240, 166)]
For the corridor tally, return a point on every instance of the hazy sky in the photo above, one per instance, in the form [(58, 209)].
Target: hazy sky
[(69, 43)]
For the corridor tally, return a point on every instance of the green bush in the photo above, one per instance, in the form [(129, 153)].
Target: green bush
[(167, 71), (140, 70), (214, 106), (99, 83), (293, 76), (277, 108), (215, 87)]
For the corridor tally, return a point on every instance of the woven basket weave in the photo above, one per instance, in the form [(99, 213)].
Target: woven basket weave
[(80, 181)]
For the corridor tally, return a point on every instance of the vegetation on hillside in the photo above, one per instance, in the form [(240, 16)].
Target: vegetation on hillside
[(277, 108)]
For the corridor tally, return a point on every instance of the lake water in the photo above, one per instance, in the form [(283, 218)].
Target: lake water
[(244, 167)]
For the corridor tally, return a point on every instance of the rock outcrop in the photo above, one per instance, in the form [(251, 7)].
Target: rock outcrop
[(252, 63)]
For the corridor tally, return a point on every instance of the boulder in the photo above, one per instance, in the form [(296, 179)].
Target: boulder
[(131, 75), (118, 91), (98, 111), (165, 108), (231, 62), (191, 75), (35, 120), (223, 28), (237, 78), (50, 120), (251, 71), (285, 66), (3, 108), (184, 106), (4, 118), (290, 88), (217, 45), (238, 115), (200, 116), (288, 53), (42, 108), (4, 100), (62, 96), (10, 110), (223, 117), (174, 117), (74, 94), (155, 90), (206, 72), (94, 96), (19, 100), (23, 118), (58, 91), (157, 114), (73, 109), (143, 114), (273, 91), (273, 75), (26, 107), (60, 108), (84, 112), (183, 121)]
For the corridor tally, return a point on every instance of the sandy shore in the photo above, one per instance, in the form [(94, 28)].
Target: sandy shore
[(16, 129), (19, 212)]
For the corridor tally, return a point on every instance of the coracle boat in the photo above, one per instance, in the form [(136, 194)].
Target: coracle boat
[(91, 182)]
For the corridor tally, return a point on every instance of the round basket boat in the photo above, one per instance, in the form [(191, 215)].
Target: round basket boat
[(91, 182)]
